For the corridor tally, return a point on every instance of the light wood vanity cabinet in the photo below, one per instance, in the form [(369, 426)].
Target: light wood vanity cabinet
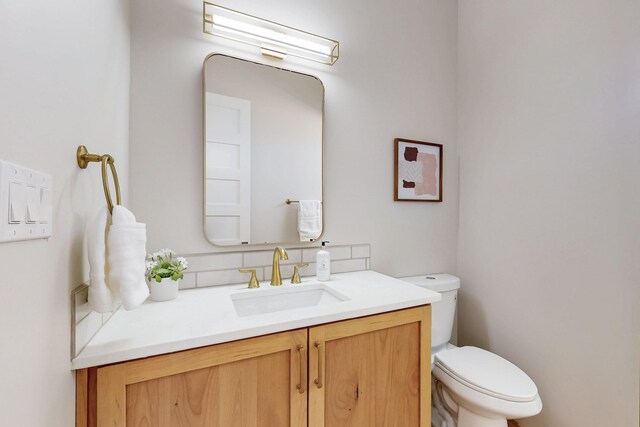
[(365, 372), (374, 371)]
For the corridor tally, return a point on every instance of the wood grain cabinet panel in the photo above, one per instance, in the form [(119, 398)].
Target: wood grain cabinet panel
[(373, 371), (365, 372), (250, 392), (254, 382), (372, 377)]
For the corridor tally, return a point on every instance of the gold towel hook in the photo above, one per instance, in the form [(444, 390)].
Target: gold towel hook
[(84, 158)]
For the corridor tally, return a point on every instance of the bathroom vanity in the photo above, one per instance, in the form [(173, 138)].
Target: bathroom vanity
[(356, 352), (352, 351)]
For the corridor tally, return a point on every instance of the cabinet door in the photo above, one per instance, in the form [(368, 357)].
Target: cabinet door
[(372, 371), (254, 382)]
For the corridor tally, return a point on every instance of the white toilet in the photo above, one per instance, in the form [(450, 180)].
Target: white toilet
[(474, 386)]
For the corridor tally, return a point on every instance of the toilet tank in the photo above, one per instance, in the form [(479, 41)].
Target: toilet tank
[(442, 312)]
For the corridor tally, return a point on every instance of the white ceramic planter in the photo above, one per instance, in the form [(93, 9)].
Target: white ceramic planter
[(166, 290)]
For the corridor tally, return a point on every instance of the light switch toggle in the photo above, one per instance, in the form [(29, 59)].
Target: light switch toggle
[(33, 205), (45, 206), (16, 203)]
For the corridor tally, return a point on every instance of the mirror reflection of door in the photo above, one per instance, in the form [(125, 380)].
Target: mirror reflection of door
[(264, 145), (228, 169)]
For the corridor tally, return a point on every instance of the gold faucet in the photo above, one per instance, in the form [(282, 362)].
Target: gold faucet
[(278, 254)]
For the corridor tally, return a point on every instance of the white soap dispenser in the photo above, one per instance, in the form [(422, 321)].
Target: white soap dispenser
[(323, 263)]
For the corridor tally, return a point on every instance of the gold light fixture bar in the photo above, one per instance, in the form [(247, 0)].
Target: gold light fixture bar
[(273, 39)]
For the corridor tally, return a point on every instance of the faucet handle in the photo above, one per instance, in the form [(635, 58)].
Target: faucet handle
[(253, 282), (296, 274)]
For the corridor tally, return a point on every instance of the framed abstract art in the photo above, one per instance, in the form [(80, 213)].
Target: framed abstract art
[(418, 171)]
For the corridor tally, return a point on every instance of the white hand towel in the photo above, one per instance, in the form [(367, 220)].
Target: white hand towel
[(127, 251), (100, 298), (309, 219)]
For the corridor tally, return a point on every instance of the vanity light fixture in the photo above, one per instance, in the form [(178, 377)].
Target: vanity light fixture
[(273, 39)]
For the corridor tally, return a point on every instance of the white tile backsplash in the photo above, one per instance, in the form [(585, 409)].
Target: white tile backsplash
[(360, 251), (81, 301), (188, 281), (225, 277), (344, 259), (214, 261), (348, 265), (309, 271), (337, 252), (222, 269), (86, 328), (265, 258), (211, 271), (85, 323)]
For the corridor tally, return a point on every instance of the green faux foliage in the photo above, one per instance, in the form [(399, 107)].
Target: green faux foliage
[(163, 265)]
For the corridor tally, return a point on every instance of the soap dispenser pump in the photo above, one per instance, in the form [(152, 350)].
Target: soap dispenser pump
[(323, 263)]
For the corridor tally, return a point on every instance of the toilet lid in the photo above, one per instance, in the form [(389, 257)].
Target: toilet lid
[(487, 373)]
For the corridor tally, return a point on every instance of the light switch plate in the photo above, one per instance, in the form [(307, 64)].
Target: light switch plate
[(25, 203)]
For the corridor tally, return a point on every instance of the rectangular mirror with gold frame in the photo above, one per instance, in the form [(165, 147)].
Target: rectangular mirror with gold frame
[(263, 132)]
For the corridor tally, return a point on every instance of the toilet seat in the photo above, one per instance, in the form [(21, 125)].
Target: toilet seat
[(487, 373), (489, 384)]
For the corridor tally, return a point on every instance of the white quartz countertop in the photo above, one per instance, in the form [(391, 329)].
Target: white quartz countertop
[(206, 316)]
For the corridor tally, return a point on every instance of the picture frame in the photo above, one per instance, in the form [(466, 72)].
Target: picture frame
[(417, 171)]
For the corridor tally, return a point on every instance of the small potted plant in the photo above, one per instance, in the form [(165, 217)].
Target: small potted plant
[(164, 272)]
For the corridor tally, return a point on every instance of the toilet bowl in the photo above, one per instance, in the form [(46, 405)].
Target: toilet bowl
[(486, 388), (476, 387)]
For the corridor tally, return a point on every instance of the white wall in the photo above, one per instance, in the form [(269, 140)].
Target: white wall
[(549, 249), (64, 81), (396, 78)]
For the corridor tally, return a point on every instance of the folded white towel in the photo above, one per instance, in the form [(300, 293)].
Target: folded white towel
[(100, 298), (309, 219), (127, 251), (116, 260)]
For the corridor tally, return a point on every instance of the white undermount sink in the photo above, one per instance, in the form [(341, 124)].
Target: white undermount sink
[(250, 302)]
